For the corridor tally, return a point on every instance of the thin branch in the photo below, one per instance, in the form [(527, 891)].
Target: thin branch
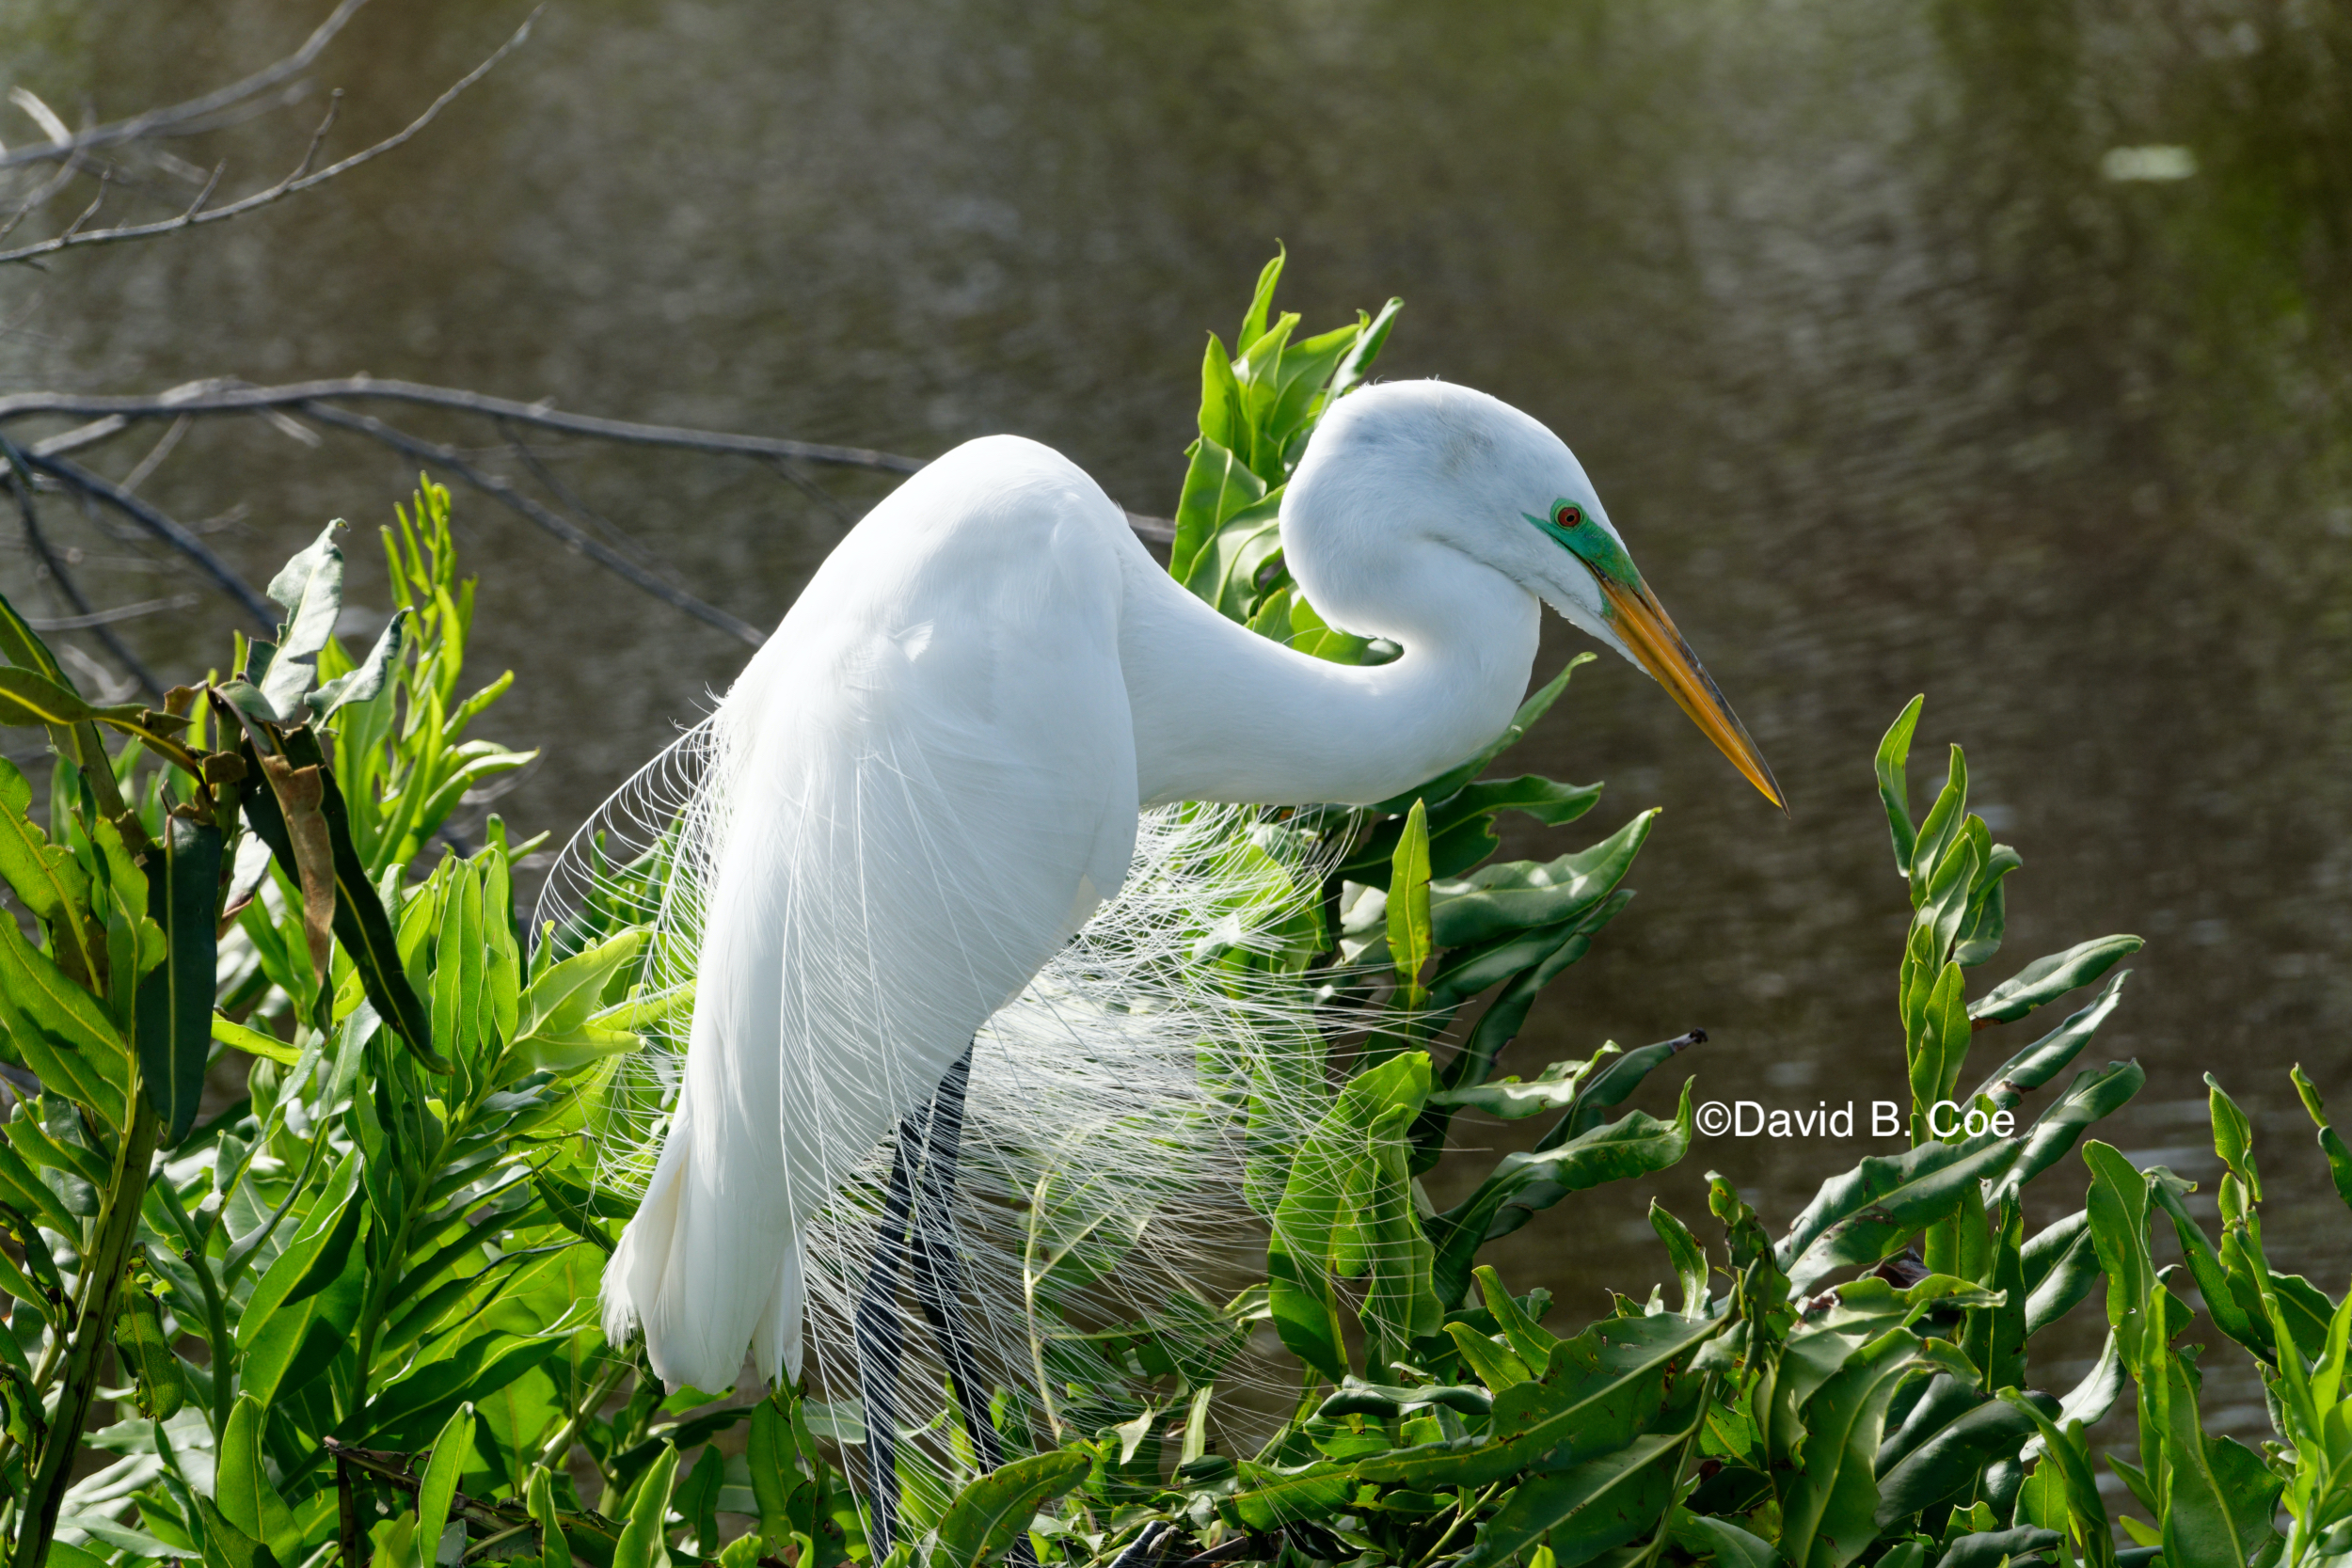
[(293, 183), (180, 119), (90, 620), (813, 491), (617, 536), (155, 454), (21, 480), (173, 534), (562, 528), (227, 396)]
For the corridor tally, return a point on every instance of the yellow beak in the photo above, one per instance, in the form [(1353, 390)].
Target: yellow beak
[(1649, 631)]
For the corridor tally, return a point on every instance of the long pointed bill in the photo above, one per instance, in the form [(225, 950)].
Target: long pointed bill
[(1646, 626)]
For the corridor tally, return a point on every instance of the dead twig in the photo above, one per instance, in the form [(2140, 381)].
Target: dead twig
[(21, 480), (225, 396), (153, 521), (301, 178), (448, 458), (195, 114)]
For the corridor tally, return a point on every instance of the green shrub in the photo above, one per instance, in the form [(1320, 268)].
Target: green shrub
[(351, 1315)]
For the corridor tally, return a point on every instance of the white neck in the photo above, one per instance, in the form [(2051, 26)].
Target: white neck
[(1223, 714)]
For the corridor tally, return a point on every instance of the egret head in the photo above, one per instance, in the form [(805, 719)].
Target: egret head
[(1427, 462)]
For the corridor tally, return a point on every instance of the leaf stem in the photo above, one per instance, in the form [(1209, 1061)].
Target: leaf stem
[(102, 1272)]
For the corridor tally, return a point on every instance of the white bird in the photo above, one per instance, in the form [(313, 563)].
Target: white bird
[(931, 777)]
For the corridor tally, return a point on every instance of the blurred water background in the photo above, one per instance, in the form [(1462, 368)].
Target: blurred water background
[(1898, 370)]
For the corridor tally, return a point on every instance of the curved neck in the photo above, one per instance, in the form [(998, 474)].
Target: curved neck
[(1223, 714)]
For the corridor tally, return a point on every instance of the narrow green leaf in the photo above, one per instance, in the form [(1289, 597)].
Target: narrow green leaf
[(1408, 907), (175, 1000), (242, 1486), (438, 1485), (2042, 1061), (2330, 1142), (2095, 1093), (1870, 1213), (2048, 978), (1585, 1509), (986, 1515), (1894, 751), (1689, 1257)]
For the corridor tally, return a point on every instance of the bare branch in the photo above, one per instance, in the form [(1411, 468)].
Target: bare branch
[(227, 397), (813, 491), (170, 532), (617, 536), (91, 618), (21, 480), (155, 454), (293, 183), (500, 490), (322, 401), (185, 118)]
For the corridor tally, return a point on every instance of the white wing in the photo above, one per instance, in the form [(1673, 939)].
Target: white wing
[(918, 790)]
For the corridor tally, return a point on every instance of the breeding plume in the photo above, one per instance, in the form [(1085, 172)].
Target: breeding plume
[(929, 780)]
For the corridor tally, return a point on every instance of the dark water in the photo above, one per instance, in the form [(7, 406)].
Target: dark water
[(1891, 387)]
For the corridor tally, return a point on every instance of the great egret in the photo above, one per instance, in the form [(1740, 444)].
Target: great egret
[(929, 780)]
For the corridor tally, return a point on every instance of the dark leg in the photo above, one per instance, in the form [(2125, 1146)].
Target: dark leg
[(938, 1272), (939, 1275), (880, 1340)]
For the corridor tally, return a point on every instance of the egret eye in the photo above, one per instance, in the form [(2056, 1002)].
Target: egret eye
[(1569, 515)]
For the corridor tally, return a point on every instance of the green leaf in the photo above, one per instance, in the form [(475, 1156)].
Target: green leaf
[(2330, 1144), (361, 926), (2061, 1267), (1949, 1463), (46, 876), (2042, 1061), (1829, 1504), (1584, 1511), (61, 1030), (1939, 830), (225, 1545), (1601, 1389), (1370, 339), (2220, 1496), (365, 682), (1260, 302), (1614, 1084), (1689, 1257), (2048, 978), (1317, 1214), (1524, 1184), (1705, 1535), (2095, 1093), (1530, 1340), (1870, 1213), (1894, 750), (986, 1515), (2074, 1500), (1520, 896), (1409, 909), (1513, 1100), (253, 1042), (242, 1487), (438, 1485), (645, 1543), (2233, 1138), (310, 588), (1993, 1548), (144, 1351), (1495, 1367), (554, 1551), (26, 697), (175, 999)]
